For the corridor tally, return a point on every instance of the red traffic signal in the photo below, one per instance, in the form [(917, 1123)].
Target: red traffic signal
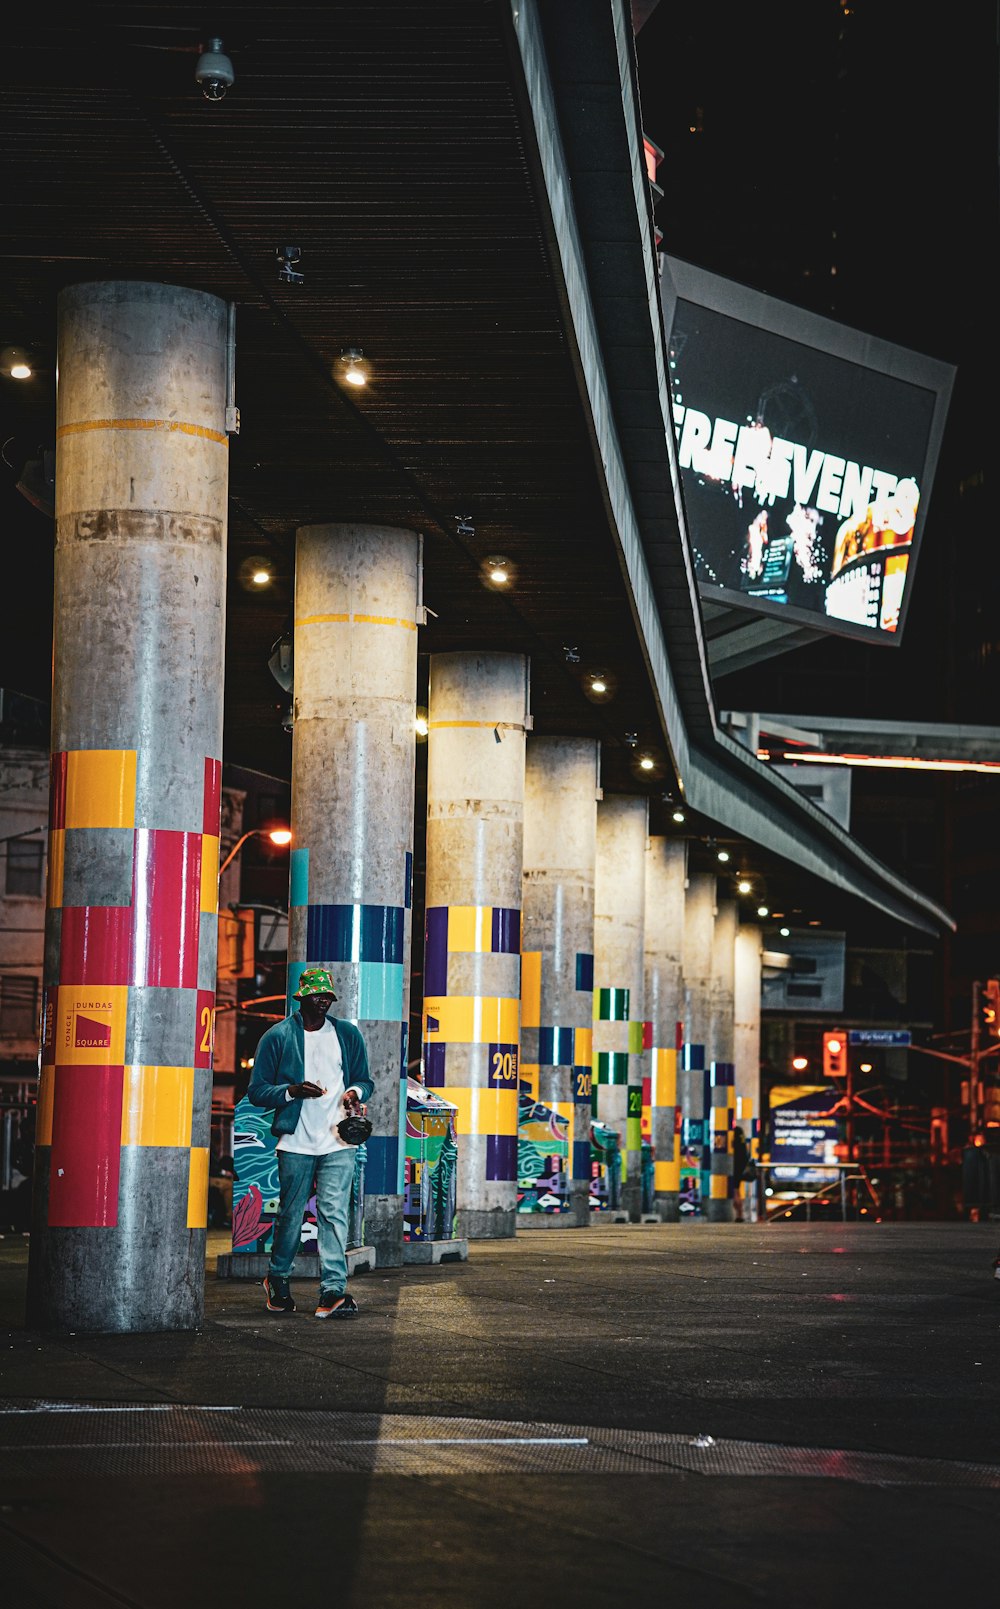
[(989, 1007), (835, 1054)]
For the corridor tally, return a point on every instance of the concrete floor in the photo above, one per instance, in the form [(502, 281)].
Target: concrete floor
[(804, 1414)]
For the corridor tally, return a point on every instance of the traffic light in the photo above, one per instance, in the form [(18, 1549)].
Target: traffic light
[(989, 1008), (835, 1054)]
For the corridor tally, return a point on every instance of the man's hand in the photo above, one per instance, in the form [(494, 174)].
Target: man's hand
[(305, 1092), (352, 1103)]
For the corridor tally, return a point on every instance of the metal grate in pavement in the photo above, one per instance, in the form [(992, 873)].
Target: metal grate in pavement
[(54, 1438)]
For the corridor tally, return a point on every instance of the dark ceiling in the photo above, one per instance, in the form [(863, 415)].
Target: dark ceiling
[(385, 142)]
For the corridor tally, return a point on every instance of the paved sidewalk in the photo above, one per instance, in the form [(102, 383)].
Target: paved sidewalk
[(792, 1414)]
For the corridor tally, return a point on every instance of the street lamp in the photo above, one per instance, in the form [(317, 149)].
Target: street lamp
[(277, 835)]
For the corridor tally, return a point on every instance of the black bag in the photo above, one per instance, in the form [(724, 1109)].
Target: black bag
[(749, 1174)]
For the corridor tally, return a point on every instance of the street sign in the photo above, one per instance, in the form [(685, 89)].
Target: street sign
[(879, 1036)]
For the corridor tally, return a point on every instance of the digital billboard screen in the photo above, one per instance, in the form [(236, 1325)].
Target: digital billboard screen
[(806, 452)]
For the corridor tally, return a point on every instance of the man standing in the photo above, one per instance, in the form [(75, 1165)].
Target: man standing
[(313, 1070)]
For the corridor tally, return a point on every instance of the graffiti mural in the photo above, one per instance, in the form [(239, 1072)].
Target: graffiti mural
[(430, 1160)]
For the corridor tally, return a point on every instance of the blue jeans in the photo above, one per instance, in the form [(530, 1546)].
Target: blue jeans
[(333, 1175)]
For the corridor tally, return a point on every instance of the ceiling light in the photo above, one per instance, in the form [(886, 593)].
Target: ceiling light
[(866, 1067), (784, 931), (280, 835), (20, 371), (743, 887), (16, 362), (260, 578), (762, 910), (355, 368), (498, 571), (723, 854), (678, 815), (646, 764), (800, 1063), (420, 726), (597, 686)]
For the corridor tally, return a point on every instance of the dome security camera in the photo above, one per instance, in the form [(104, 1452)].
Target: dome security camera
[(214, 72)]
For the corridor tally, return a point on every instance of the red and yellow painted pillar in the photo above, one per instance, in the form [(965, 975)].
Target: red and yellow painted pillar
[(124, 1102)]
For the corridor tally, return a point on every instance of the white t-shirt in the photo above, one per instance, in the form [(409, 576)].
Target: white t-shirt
[(316, 1131)]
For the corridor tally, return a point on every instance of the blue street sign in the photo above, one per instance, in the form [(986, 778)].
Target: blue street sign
[(879, 1036)]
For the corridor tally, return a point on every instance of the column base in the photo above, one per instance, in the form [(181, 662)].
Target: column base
[(435, 1251), (667, 1206), (486, 1223), (719, 1212), (254, 1265), (384, 1229), (631, 1202)]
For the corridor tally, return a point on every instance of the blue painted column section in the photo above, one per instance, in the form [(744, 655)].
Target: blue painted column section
[(351, 869)]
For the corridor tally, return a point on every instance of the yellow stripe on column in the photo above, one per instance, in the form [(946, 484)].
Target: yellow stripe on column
[(170, 425), (157, 1105), (43, 1114), (100, 788), (531, 988), (197, 1210), (664, 1090), (583, 1047), (57, 860), (471, 1019), (470, 929), (482, 1111), (209, 874), (667, 1175), (718, 1186)]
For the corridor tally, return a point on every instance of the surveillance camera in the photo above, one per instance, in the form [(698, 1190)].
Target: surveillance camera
[(214, 72)]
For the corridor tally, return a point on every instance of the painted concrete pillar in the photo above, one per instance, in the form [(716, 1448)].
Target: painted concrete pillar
[(124, 1106), (666, 869), (721, 1039), (619, 916), (476, 714), (557, 961), (746, 1057), (696, 961), (350, 868)]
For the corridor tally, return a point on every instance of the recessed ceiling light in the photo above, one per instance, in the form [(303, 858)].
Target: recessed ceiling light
[(498, 570), (646, 764), (679, 815), (260, 578), (598, 686), (420, 726), (743, 887), (723, 854), (762, 910), (20, 371), (784, 931), (355, 368)]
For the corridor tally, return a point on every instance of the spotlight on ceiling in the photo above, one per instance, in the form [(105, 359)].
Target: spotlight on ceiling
[(743, 887), (679, 816), (498, 570), (464, 525), (420, 725), (762, 910), (723, 855), (260, 578), (355, 367), (784, 931), (646, 764), (598, 685), (631, 740), (17, 363)]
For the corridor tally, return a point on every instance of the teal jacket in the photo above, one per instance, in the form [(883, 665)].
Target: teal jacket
[(280, 1060)]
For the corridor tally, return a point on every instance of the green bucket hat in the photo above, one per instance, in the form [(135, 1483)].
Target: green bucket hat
[(315, 980)]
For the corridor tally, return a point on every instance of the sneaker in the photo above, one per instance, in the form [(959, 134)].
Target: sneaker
[(279, 1296), (336, 1304)]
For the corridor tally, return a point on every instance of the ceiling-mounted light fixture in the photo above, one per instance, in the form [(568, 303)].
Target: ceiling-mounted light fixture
[(261, 577), (498, 571), (420, 724), (646, 764), (464, 525), (679, 816), (598, 685), (214, 72), (743, 887), (17, 363), (723, 855), (762, 910), (631, 740), (355, 367)]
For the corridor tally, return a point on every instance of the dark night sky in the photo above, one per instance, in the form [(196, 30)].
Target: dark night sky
[(858, 136)]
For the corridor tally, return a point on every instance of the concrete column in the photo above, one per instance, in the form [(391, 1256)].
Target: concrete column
[(557, 961), (696, 961), (619, 916), (353, 753), (666, 867), (124, 1106), (721, 1039), (472, 951), (746, 1058)]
